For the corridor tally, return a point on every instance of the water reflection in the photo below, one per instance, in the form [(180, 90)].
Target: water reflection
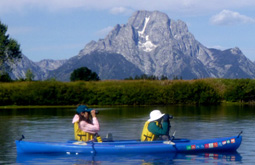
[(161, 158)]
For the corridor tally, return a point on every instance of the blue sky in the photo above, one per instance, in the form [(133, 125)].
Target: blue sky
[(59, 29)]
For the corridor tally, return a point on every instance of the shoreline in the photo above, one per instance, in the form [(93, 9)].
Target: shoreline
[(74, 106)]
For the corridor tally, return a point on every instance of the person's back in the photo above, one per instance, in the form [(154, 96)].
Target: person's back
[(153, 128)]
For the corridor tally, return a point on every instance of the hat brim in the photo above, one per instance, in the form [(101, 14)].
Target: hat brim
[(88, 110), (156, 118)]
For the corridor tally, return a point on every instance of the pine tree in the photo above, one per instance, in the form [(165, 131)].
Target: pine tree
[(9, 49)]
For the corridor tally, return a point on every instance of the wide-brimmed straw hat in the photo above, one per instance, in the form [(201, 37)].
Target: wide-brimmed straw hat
[(155, 115)]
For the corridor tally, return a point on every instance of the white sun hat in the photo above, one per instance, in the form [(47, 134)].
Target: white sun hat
[(155, 115)]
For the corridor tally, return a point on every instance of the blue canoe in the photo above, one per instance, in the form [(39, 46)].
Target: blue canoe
[(226, 144)]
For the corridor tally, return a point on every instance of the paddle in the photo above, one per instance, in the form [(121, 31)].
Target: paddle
[(239, 134), (22, 137), (172, 137)]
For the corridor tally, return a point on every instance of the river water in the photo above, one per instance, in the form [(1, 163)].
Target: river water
[(192, 122)]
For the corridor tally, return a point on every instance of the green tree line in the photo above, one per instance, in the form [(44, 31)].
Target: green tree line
[(128, 92)]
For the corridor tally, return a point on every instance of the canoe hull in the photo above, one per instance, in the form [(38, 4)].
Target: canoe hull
[(132, 146), (225, 144)]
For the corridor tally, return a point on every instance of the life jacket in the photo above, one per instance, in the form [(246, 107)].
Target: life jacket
[(146, 134), (81, 135)]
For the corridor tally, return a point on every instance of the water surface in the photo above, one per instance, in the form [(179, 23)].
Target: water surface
[(193, 122)]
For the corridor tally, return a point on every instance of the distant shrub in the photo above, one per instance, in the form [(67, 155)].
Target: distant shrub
[(5, 77), (241, 90), (190, 92), (203, 93), (135, 92), (85, 74)]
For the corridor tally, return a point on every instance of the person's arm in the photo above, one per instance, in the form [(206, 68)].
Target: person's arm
[(164, 130), (90, 128), (152, 127), (76, 118)]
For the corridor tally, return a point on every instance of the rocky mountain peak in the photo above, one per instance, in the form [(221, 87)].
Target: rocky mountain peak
[(236, 50), (50, 64), (145, 31), (159, 46), (154, 44), (141, 18)]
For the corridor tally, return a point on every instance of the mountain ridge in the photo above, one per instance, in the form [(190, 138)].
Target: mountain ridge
[(151, 43)]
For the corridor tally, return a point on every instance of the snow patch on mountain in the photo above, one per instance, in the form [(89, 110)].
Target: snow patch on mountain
[(144, 42), (147, 46), (141, 33)]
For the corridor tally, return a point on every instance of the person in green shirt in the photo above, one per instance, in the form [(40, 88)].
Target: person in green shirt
[(157, 127)]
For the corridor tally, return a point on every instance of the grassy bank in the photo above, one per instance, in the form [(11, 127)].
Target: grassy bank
[(128, 92)]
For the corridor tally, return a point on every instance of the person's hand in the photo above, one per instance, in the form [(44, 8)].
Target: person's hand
[(93, 113), (166, 117), (77, 116)]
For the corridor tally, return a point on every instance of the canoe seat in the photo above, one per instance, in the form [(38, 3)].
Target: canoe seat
[(108, 138)]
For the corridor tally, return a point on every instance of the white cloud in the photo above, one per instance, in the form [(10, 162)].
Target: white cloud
[(105, 31), (120, 10), (227, 17)]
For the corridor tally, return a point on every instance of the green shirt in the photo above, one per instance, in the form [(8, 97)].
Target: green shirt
[(164, 130)]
